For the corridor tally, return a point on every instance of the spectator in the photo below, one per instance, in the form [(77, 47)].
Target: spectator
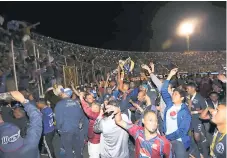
[(177, 118), (68, 115), (48, 126), (114, 140), (197, 105), (92, 113), (148, 142), (21, 120), (218, 116), (12, 144)]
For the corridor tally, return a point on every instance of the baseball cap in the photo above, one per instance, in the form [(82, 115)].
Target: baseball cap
[(10, 138), (67, 91)]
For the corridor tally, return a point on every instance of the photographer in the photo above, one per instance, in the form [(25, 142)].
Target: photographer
[(12, 144)]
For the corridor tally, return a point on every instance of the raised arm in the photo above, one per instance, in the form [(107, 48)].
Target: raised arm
[(120, 81), (34, 130), (118, 119), (106, 83), (92, 115), (154, 79), (164, 91), (74, 90)]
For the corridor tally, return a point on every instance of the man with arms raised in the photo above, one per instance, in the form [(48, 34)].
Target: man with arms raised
[(148, 142)]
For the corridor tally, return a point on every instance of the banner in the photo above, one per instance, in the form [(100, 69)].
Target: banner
[(70, 75)]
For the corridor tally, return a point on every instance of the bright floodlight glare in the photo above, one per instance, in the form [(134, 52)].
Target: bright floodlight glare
[(186, 29)]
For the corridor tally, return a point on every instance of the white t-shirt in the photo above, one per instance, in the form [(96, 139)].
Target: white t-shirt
[(114, 139), (171, 120)]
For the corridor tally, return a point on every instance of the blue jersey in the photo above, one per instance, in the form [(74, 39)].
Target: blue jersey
[(48, 120)]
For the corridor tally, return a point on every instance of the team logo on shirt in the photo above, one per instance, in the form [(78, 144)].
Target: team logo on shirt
[(195, 101), (173, 114), (155, 146), (220, 148)]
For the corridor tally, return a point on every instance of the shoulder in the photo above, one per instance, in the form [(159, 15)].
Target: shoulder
[(46, 110), (163, 139), (125, 117), (185, 109), (199, 96)]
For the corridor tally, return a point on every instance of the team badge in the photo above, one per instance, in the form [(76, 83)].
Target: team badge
[(220, 148)]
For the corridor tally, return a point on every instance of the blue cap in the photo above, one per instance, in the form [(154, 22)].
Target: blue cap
[(94, 93), (145, 86), (67, 91), (10, 137)]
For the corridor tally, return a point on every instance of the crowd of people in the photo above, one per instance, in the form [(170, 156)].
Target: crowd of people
[(171, 115)]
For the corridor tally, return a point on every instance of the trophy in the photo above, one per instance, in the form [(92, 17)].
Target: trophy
[(126, 65)]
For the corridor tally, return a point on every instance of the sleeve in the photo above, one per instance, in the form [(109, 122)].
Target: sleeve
[(34, 130), (167, 150), (202, 103), (116, 94), (182, 129), (156, 81), (165, 94), (132, 129), (98, 125), (92, 115), (58, 116)]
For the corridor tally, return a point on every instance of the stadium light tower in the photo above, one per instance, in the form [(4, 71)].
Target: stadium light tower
[(186, 29)]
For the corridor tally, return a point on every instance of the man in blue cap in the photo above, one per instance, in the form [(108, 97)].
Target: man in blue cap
[(12, 145), (69, 115)]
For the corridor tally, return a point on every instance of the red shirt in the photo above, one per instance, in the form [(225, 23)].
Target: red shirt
[(92, 136), (156, 147)]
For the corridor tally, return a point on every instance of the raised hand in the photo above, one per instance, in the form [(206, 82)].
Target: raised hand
[(151, 65), (72, 84), (222, 77), (173, 72), (111, 108), (18, 96), (82, 94)]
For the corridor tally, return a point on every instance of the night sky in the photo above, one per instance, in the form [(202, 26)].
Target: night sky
[(137, 26)]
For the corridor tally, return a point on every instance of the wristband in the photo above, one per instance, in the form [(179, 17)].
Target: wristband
[(25, 101), (195, 112)]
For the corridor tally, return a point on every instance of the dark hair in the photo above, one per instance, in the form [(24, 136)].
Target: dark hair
[(182, 93), (213, 93), (192, 84), (146, 112), (87, 94), (22, 111), (114, 103)]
